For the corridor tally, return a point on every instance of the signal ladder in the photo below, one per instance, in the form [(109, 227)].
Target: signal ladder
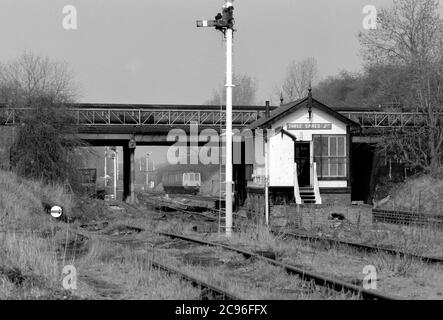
[(222, 190), (221, 194)]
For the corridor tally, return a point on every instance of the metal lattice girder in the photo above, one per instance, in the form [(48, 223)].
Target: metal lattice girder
[(10, 116), (132, 117), (204, 117), (386, 119), (101, 117), (213, 118), (161, 117), (116, 116)]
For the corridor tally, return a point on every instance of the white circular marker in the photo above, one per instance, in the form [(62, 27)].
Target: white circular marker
[(56, 211)]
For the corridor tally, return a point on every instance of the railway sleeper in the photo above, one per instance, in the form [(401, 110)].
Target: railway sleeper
[(310, 276)]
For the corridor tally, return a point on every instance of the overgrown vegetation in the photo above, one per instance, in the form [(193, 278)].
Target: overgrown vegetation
[(45, 142), (34, 248), (45, 146), (403, 70), (422, 194), (28, 262), (23, 202)]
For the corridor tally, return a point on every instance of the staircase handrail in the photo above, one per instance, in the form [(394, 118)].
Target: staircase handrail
[(296, 186), (316, 184)]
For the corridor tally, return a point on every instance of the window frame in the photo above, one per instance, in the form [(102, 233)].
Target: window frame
[(329, 157)]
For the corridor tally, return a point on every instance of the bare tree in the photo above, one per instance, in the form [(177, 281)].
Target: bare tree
[(408, 40), (299, 76), (244, 93), (31, 77), (45, 145), (422, 147), (410, 32)]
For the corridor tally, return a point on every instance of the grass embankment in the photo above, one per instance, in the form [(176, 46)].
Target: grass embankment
[(28, 260), (34, 248), (423, 194)]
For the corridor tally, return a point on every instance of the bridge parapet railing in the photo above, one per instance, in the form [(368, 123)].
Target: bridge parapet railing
[(9, 116), (141, 117), (386, 119), (150, 117), (145, 117)]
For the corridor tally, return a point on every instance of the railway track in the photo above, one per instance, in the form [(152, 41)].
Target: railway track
[(213, 218), (209, 291), (329, 241), (318, 279), (363, 247), (407, 218), (379, 215)]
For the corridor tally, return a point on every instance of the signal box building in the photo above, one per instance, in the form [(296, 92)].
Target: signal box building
[(307, 156)]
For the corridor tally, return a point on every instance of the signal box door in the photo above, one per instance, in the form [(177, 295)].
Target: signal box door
[(303, 160)]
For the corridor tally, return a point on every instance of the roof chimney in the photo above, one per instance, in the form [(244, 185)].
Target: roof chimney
[(267, 112)]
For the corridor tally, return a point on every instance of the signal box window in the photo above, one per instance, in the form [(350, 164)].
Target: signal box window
[(330, 156)]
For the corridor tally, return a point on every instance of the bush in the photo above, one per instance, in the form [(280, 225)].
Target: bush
[(45, 146)]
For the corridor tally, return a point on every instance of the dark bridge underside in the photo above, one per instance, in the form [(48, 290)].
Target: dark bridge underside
[(143, 135)]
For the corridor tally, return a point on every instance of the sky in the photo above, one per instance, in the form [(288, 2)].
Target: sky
[(143, 51)]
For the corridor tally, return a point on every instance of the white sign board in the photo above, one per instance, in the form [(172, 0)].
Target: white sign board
[(56, 211), (309, 126)]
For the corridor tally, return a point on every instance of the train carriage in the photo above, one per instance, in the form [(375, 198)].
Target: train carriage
[(182, 182)]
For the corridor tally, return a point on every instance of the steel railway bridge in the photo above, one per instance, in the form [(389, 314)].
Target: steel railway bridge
[(122, 125), (167, 116)]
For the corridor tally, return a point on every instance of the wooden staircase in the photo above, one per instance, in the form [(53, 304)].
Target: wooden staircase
[(307, 195)]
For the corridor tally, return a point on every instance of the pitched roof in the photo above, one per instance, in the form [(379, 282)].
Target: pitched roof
[(285, 109)]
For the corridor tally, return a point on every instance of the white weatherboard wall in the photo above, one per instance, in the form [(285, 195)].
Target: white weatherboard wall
[(281, 159), (282, 149), (318, 116)]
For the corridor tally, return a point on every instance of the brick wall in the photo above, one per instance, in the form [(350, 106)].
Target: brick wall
[(286, 216), (335, 198), (314, 216), (308, 216)]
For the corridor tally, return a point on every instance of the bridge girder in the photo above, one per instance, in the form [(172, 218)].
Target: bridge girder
[(176, 118)]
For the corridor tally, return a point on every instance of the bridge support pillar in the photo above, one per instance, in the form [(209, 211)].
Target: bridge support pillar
[(128, 174), (132, 165)]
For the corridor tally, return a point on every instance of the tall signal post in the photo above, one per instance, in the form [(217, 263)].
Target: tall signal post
[(224, 22)]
